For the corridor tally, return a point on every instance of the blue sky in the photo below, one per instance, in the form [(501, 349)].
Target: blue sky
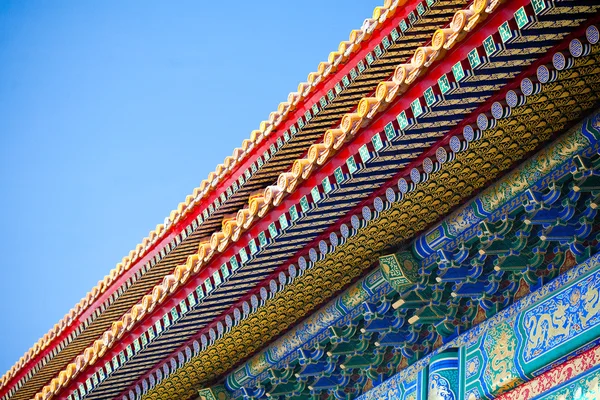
[(112, 112)]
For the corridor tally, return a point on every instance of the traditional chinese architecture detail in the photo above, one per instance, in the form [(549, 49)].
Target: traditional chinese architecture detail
[(481, 355), (585, 364), (410, 300), (418, 221), (400, 269), (214, 393), (444, 376)]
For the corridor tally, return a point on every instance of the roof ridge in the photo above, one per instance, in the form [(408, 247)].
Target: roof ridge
[(324, 71), (404, 75)]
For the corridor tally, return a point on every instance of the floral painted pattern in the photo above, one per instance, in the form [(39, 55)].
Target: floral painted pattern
[(439, 388), (555, 377)]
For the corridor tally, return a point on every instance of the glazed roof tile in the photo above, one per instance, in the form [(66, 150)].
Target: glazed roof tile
[(325, 71), (351, 123), (173, 334)]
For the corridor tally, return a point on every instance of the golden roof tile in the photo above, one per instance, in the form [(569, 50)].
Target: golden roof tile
[(286, 183)]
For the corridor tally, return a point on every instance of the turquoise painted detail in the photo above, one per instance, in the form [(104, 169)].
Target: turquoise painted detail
[(312, 330), (508, 194), (560, 324), (343, 310), (477, 357), (443, 381), (439, 388)]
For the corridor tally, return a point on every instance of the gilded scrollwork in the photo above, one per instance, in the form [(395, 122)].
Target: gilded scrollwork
[(500, 345)]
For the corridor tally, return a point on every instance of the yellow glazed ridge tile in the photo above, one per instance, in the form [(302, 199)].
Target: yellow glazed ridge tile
[(206, 186), (287, 182)]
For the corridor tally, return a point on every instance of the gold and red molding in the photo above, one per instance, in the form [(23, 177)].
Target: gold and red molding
[(339, 63), (557, 376), (350, 125), (477, 37)]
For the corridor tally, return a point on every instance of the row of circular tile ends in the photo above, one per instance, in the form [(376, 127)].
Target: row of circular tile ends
[(287, 182), (208, 185)]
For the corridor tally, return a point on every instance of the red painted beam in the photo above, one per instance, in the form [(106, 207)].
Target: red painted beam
[(320, 91), (459, 53), (475, 39), (305, 104), (554, 377)]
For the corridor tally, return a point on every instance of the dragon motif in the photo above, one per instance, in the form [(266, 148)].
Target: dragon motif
[(561, 318), (500, 345)]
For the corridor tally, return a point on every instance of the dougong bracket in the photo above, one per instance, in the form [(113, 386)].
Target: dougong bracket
[(400, 269)]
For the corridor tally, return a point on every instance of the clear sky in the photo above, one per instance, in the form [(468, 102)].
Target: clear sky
[(111, 112)]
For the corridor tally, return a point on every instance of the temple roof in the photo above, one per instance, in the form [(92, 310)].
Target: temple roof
[(417, 85), (388, 320), (231, 182)]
